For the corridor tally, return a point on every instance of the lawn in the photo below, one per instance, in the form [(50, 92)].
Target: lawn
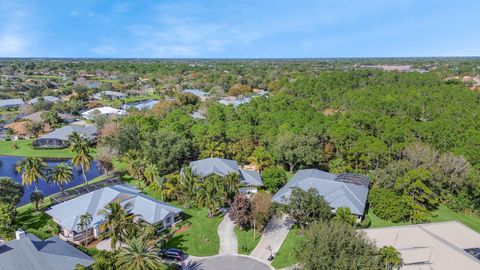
[(36, 222), (443, 213), (246, 241), (286, 255), (25, 150)]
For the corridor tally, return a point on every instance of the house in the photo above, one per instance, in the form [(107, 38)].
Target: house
[(21, 130), (67, 214), (90, 114), (141, 105), (13, 103), (37, 117), (59, 137), (235, 101), (109, 95), (29, 252), (344, 190), (249, 179), (197, 92), (49, 99), (440, 246)]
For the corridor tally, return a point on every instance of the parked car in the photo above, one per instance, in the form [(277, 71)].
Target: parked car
[(172, 254)]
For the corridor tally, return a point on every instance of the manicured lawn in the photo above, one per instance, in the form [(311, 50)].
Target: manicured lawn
[(443, 213), (36, 222), (286, 255), (201, 239), (246, 241), (25, 150)]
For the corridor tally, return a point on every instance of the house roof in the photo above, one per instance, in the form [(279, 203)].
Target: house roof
[(45, 98), (140, 105), (68, 213), (109, 93), (37, 116), (11, 102), (337, 191), (439, 246), (196, 92), (104, 110), (63, 132), (223, 167), (32, 253)]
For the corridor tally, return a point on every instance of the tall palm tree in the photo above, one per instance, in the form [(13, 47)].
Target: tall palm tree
[(36, 197), (116, 218), (83, 225), (78, 142), (187, 183), (32, 170), (232, 184), (151, 173), (82, 159), (211, 193), (61, 174), (260, 158), (139, 254)]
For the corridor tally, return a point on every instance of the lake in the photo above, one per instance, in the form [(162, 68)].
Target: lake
[(7, 168)]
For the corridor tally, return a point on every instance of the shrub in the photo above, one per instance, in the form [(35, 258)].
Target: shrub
[(387, 205), (274, 178)]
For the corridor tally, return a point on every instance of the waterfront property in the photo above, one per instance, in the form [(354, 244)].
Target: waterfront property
[(37, 117), (29, 252), (59, 137), (249, 179), (8, 104), (90, 114), (440, 246), (344, 190), (67, 214)]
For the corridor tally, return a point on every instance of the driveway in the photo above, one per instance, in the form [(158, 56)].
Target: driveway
[(272, 238), (228, 239), (223, 262)]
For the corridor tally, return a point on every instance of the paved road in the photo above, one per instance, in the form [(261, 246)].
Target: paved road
[(228, 239), (272, 238), (226, 262)]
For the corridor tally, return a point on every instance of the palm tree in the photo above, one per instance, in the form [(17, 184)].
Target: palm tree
[(61, 175), (211, 193), (78, 142), (82, 159), (187, 184), (391, 257), (261, 158), (139, 254), (232, 184), (116, 218), (84, 224), (36, 197), (32, 170), (343, 214), (151, 173)]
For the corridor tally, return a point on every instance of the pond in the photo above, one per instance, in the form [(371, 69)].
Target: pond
[(7, 168)]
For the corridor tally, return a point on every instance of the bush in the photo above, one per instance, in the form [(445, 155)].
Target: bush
[(274, 178), (387, 205)]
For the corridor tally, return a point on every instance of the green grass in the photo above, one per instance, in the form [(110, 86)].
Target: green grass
[(45, 77), (25, 149), (443, 213), (36, 222), (246, 241), (286, 255)]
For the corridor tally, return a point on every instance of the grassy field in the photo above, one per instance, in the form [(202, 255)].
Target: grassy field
[(25, 149), (443, 213), (246, 241), (286, 255)]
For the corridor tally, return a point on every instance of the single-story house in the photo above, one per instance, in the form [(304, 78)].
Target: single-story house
[(50, 99), (67, 214), (29, 252), (344, 190), (109, 95), (90, 114), (59, 137), (235, 101), (197, 92), (440, 246), (249, 179), (37, 117), (141, 105), (20, 129), (13, 103)]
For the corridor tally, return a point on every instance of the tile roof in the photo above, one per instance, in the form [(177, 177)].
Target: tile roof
[(334, 190), (32, 253)]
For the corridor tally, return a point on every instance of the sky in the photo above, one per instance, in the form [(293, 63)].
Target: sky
[(239, 29)]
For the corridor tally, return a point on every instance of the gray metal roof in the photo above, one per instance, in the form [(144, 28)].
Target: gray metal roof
[(11, 102), (336, 192), (110, 93), (223, 167), (37, 116), (34, 254), (68, 213), (63, 132), (196, 92)]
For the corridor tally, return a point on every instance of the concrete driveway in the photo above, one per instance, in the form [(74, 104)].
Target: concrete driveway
[(272, 238), (228, 239), (224, 262)]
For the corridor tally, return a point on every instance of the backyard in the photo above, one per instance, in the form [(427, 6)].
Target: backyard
[(25, 149)]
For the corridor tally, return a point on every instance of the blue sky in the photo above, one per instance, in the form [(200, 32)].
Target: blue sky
[(239, 29)]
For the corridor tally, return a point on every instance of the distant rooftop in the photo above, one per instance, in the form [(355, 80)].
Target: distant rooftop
[(196, 92), (14, 102)]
